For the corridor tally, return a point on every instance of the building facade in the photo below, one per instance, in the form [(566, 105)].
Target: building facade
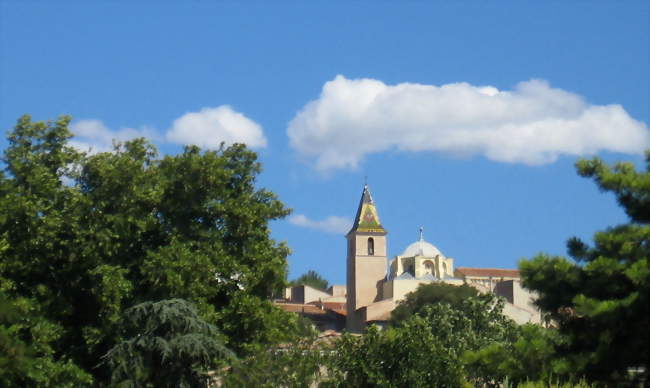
[(375, 286)]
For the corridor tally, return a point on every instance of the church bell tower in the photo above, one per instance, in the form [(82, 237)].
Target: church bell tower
[(366, 261)]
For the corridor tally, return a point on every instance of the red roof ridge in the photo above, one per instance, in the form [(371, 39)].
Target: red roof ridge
[(474, 271), (502, 269)]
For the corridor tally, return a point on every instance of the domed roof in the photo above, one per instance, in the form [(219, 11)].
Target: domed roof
[(421, 248)]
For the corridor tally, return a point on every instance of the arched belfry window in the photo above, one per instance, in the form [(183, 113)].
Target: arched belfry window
[(371, 246)]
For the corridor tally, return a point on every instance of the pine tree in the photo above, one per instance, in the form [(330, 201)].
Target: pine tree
[(168, 345), (600, 301)]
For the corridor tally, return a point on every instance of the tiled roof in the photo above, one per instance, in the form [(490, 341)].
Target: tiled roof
[(313, 307), (300, 308), (339, 312), (428, 276), (488, 272), (367, 219), (334, 305)]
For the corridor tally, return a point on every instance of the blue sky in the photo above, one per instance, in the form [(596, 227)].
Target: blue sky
[(466, 117)]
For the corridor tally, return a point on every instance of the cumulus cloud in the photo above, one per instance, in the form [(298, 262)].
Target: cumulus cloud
[(531, 124), (211, 126), (93, 136), (331, 224), (206, 128)]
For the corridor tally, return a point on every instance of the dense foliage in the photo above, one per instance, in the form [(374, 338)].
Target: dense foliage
[(299, 363), (601, 301), (311, 278), (27, 355), (461, 345), (167, 345), (84, 237), (128, 269), (530, 356), (428, 294), (426, 349)]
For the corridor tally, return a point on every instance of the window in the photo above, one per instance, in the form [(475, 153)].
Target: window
[(371, 246), (428, 267), (410, 269)]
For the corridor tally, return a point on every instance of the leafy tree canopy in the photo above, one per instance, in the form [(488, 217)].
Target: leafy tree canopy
[(427, 294), (85, 236), (312, 279), (299, 363), (27, 356), (409, 356), (600, 300), (426, 349), (530, 357), (167, 345)]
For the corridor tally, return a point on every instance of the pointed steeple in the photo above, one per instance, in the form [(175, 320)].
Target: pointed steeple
[(367, 219)]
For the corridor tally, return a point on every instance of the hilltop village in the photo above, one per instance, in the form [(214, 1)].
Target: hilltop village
[(375, 284)]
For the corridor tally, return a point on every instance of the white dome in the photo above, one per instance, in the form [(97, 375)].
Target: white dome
[(421, 248)]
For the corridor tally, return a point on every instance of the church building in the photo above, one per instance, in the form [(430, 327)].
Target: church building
[(375, 285)]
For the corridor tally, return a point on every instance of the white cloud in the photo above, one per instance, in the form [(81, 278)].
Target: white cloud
[(211, 126), (93, 136), (531, 124), (331, 224), (206, 128)]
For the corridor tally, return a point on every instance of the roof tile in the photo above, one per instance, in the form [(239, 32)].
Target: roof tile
[(488, 272)]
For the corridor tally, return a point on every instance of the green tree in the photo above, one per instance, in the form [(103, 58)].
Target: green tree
[(426, 349), (408, 356), (167, 345), (27, 356), (15, 357), (600, 301), (531, 357), (296, 364), (427, 294), (474, 323), (86, 236), (311, 278)]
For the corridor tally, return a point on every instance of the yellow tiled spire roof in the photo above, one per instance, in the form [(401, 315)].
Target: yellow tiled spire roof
[(367, 219)]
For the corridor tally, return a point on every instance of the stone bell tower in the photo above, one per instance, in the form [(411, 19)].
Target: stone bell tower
[(366, 261)]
